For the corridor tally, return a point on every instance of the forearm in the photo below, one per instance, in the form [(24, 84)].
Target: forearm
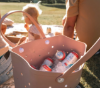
[(69, 26), (68, 31)]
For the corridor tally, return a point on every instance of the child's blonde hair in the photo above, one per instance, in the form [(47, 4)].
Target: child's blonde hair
[(33, 10)]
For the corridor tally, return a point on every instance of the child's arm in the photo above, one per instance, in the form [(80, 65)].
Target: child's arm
[(26, 26), (22, 41)]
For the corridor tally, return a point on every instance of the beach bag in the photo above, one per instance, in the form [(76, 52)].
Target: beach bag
[(37, 51)]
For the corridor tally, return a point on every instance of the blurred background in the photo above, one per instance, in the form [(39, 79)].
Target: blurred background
[(52, 10)]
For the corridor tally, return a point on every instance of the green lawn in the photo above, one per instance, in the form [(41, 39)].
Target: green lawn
[(91, 73), (53, 14)]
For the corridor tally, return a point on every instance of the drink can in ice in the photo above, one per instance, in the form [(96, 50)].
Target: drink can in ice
[(70, 59), (45, 68), (60, 55), (48, 61)]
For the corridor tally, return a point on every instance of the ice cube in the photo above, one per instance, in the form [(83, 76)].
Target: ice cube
[(56, 61), (59, 68)]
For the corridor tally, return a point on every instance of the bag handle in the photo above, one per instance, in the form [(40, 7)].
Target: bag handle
[(83, 59), (33, 21)]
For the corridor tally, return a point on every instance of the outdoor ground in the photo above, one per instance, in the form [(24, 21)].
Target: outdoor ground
[(53, 14)]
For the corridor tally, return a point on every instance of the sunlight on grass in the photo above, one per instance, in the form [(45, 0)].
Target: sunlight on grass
[(91, 73), (50, 13)]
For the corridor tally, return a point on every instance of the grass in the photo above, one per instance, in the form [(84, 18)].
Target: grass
[(53, 14), (91, 73)]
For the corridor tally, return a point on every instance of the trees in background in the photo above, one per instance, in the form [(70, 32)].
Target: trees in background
[(43, 1), (53, 1)]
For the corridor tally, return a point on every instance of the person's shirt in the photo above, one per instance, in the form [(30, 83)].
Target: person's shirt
[(33, 33), (88, 21)]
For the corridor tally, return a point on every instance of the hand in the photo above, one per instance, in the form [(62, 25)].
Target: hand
[(3, 28), (26, 26), (64, 20)]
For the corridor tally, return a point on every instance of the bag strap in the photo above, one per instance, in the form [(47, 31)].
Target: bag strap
[(33, 21), (83, 59)]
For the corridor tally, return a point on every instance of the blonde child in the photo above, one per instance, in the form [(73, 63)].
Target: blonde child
[(34, 11)]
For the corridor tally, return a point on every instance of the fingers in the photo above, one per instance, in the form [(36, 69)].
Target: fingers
[(64, 20)]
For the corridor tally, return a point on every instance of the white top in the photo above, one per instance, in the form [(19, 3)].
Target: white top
[(33, 30)]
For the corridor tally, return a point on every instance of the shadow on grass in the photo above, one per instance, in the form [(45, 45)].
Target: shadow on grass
[(60, 6), (92, 76)]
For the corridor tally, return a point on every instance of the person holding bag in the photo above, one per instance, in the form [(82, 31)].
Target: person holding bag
[(82, 15)]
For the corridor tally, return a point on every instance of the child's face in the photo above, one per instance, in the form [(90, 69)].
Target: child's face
[(27, 20)]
